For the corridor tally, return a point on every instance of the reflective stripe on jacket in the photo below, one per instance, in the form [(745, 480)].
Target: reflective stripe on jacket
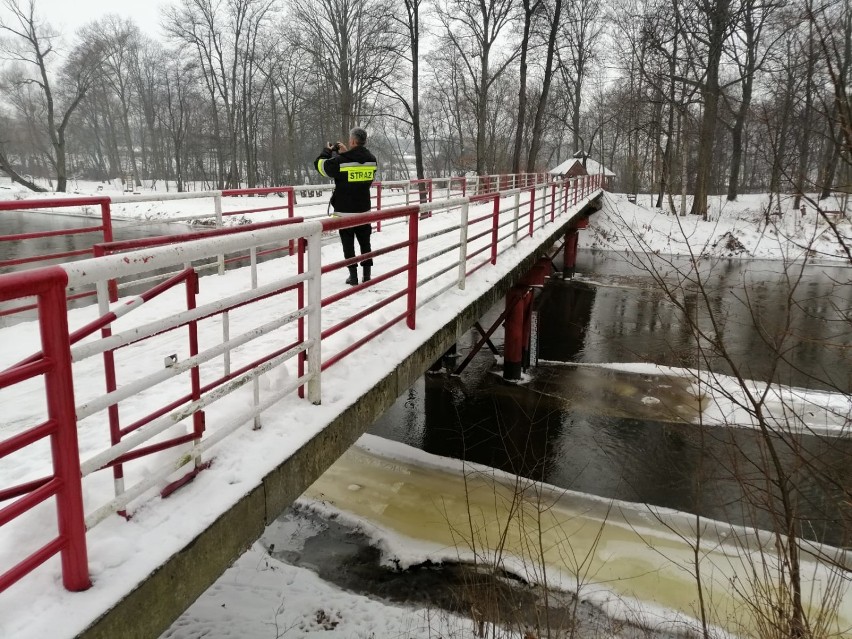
[(353, 173)]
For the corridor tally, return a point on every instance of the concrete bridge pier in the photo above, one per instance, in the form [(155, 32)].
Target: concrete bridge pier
[(447, 361), (519, 306)]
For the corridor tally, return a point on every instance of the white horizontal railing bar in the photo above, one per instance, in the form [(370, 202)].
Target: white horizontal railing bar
[(437, 294), (439, 233), (138, 489), (92, 270), (164, 276), (444, 204), (160, 424), (151, 197), (438, 273), (432, 256), (83, 351), (128, 390)]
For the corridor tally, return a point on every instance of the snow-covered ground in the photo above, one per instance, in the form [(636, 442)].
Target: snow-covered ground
[(733, 229), (263, 597)]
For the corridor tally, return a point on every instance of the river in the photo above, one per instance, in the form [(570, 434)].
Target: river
[(586, 428)]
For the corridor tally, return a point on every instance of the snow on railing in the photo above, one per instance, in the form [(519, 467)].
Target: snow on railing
[(282, 319)]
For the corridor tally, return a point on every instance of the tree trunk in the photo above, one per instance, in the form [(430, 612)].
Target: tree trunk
[(6, 167), (541, 107), (522, 91), (710, 92)]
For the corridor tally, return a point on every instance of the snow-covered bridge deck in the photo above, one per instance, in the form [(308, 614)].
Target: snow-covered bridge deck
[(146, 569)]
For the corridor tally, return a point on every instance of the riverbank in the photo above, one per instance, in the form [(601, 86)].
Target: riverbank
[(422, 512), (732, 230)]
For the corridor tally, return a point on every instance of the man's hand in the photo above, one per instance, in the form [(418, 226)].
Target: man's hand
[(341, 148)]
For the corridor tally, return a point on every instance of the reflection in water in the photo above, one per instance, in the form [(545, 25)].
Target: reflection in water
[(633, 436), (788, 325)]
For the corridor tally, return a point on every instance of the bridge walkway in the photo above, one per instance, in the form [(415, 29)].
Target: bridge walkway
[(146, 569)]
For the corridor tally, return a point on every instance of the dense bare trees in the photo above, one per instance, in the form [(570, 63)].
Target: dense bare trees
[(676, 96)]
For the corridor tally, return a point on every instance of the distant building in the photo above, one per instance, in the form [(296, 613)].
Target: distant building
[(582, 164)]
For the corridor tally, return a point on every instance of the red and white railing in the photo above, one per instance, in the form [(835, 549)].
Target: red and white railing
[(251, 322)]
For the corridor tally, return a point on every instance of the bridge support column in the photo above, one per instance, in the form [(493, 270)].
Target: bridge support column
[(513, 343), (570, 256), (519, 302)]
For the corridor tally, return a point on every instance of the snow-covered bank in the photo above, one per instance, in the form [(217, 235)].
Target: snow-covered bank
[(416, 508), (733, 229)]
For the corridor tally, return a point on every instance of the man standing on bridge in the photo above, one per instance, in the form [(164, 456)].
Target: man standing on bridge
[(353, 170)]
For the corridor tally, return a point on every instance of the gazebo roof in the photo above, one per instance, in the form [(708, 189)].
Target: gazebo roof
[(592, 167)]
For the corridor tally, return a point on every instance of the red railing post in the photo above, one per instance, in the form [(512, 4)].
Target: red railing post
[(495, 222), (194, 373), (378, 205), (291, 212), (59, 388), (413, 238)]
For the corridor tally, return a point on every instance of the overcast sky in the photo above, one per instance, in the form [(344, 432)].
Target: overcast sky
[(70, 15)]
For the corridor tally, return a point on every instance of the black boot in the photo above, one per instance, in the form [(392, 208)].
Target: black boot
[(367, 273), (353, 276)]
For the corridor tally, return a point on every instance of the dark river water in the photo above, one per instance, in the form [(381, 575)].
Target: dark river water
[(581, 427), (14, 222)]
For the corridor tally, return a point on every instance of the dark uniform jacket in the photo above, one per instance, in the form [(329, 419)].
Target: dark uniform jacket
[(353, 173)]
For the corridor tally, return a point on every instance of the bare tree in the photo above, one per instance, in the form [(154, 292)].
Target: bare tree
[(471, 31), (217, 34), (353, 46), (119, 39), (31, 45), (581, 32), (554, 15), (746, 43)]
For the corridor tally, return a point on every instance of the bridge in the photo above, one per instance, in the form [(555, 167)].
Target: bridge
[(150, 438)]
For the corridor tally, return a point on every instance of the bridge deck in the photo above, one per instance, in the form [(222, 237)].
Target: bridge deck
[(146, 571)]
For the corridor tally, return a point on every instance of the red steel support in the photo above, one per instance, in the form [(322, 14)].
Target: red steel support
[(570, 255), (525, 352), (514, 338), (519, 320)]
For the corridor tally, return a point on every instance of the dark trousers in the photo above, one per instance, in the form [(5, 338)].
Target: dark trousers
[(347, 238)]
